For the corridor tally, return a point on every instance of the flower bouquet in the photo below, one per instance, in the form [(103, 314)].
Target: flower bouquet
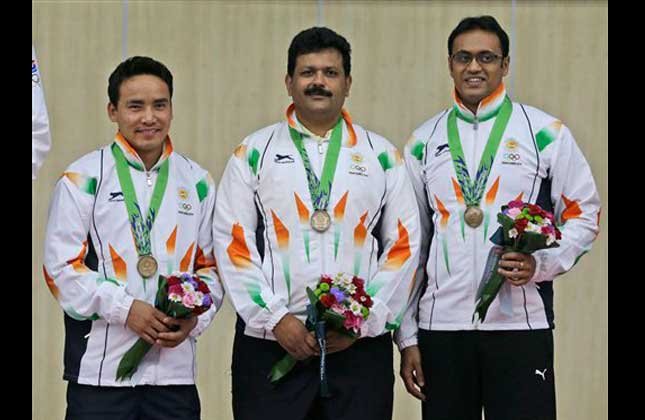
[(339, 303), (181, 295), (525, 228)]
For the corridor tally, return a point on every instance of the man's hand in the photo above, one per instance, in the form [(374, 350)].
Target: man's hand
[(146, 321), (411, 371), (293, 336), (179, 330), (338, 342), (518, 268)]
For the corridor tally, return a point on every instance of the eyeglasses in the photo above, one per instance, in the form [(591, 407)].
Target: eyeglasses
[(464, 58)]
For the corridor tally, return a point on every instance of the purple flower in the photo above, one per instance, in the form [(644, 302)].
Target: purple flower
[(207, 300), (339, 295)]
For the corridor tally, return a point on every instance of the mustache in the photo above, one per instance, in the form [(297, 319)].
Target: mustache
[(317, 90)]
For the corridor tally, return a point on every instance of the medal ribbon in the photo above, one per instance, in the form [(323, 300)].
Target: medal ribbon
[(473, 191), (140, 228), (320, 190)]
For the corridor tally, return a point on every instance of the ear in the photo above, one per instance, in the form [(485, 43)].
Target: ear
[(287, 83), (111, 111), (506, 64), (348, 80)]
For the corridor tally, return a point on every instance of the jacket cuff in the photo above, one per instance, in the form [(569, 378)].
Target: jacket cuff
[(540, 266), (275, 318), (375, 324), (121, 303), (408, 342)]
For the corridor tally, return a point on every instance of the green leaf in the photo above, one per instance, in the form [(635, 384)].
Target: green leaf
[(281, 368), (488, 294), (161, 299), (312, 296), (335, 321), (131, 359)]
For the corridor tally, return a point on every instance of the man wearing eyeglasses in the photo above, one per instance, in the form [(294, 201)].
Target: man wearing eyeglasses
[(465, 163)]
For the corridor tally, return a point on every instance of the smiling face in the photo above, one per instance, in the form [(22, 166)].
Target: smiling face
[(475, 81), (143, 114)]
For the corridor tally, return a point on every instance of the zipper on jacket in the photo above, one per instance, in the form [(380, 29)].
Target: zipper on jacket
[(323, 235), (149, 284), (474, 236)]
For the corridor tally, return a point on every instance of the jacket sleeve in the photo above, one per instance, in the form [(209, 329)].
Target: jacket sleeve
[(392, 283), (575, 202), (414, 154), (40, 136), (204, 264), (82, 293), (238, 258)]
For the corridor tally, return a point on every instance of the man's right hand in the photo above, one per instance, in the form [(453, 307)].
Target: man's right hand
[(411, 371), (293, 336), (146, 321)]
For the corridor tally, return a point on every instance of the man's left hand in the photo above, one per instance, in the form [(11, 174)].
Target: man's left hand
[(338, 342), (175, 338), (518, 268)]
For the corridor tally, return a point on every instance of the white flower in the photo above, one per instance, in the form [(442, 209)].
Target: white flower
[(199, 297), (532, 227), (355, 307), (512, 233), (174, 297), (550, 239), (188, 288)]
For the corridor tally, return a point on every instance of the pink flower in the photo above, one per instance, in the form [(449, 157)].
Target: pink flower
[(338, 309), (352, 322), (188, 300), (514, 212)]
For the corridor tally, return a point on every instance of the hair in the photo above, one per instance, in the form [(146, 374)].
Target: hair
[(135, 66), (316, 39), (485, 23)]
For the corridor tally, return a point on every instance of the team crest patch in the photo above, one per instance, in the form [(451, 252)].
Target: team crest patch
[(511, 144)]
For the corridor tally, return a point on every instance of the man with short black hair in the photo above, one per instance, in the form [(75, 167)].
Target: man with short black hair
[(120, 217), (465, 163), (312, 195)]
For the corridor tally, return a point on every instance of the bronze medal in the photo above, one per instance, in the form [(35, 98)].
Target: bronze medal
[(147, 266), (320, 221), (473, 216)]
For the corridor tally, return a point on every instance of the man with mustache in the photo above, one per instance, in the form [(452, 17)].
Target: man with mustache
[(314, 194), (121, 216), (465, 163)]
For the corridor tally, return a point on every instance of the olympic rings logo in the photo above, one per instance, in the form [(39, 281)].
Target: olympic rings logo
[(512, 156), (358, 168), (185, 206)]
